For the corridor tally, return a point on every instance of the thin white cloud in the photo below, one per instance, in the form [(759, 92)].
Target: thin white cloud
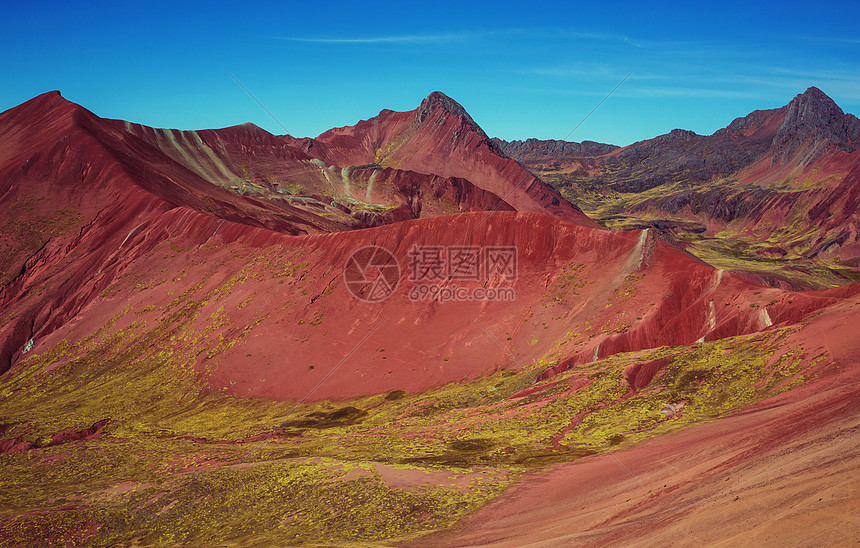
[(724, 76), (842, 83), (393, 39), (539, 33), (652, 92), (847, 75), (551, 32)]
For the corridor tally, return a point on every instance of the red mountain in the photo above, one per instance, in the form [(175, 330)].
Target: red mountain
[(440, 137), (130, 198), (69, 175)]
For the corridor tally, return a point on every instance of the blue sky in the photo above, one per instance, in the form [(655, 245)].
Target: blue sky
[(521, 69)]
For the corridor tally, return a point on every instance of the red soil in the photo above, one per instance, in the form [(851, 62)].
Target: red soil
[(398, 343)]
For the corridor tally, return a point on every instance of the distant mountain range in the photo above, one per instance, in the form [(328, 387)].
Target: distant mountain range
[(780, 182)]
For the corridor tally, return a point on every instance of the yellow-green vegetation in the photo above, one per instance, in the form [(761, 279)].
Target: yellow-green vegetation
[(277, 501), (732, 252), (181, 462), (629, 288), (572, 276), (710, 378), (381, 155)]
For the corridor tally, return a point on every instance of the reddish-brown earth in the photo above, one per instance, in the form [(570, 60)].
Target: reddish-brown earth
[(138, 253)]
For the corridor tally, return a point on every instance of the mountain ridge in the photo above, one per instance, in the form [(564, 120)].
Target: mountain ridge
[(440, 137)]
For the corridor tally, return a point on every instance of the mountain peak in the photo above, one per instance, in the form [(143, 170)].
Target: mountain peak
[(813, 106), (438, 99), (439, 102), (813, 114), (51, 99), (813, 91), (49, 107)]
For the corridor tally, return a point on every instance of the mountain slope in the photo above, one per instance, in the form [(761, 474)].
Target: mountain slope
[(113, 252), (75, 182), (81, 200), (254, 163)]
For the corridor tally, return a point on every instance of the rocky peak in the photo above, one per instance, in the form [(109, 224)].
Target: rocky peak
[(813, 114), (682, 135), (437, 99), (50, 101), (46, 112), (439, 102), (812, 109)]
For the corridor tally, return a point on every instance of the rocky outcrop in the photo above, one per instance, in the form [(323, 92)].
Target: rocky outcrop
[(536, 149)]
